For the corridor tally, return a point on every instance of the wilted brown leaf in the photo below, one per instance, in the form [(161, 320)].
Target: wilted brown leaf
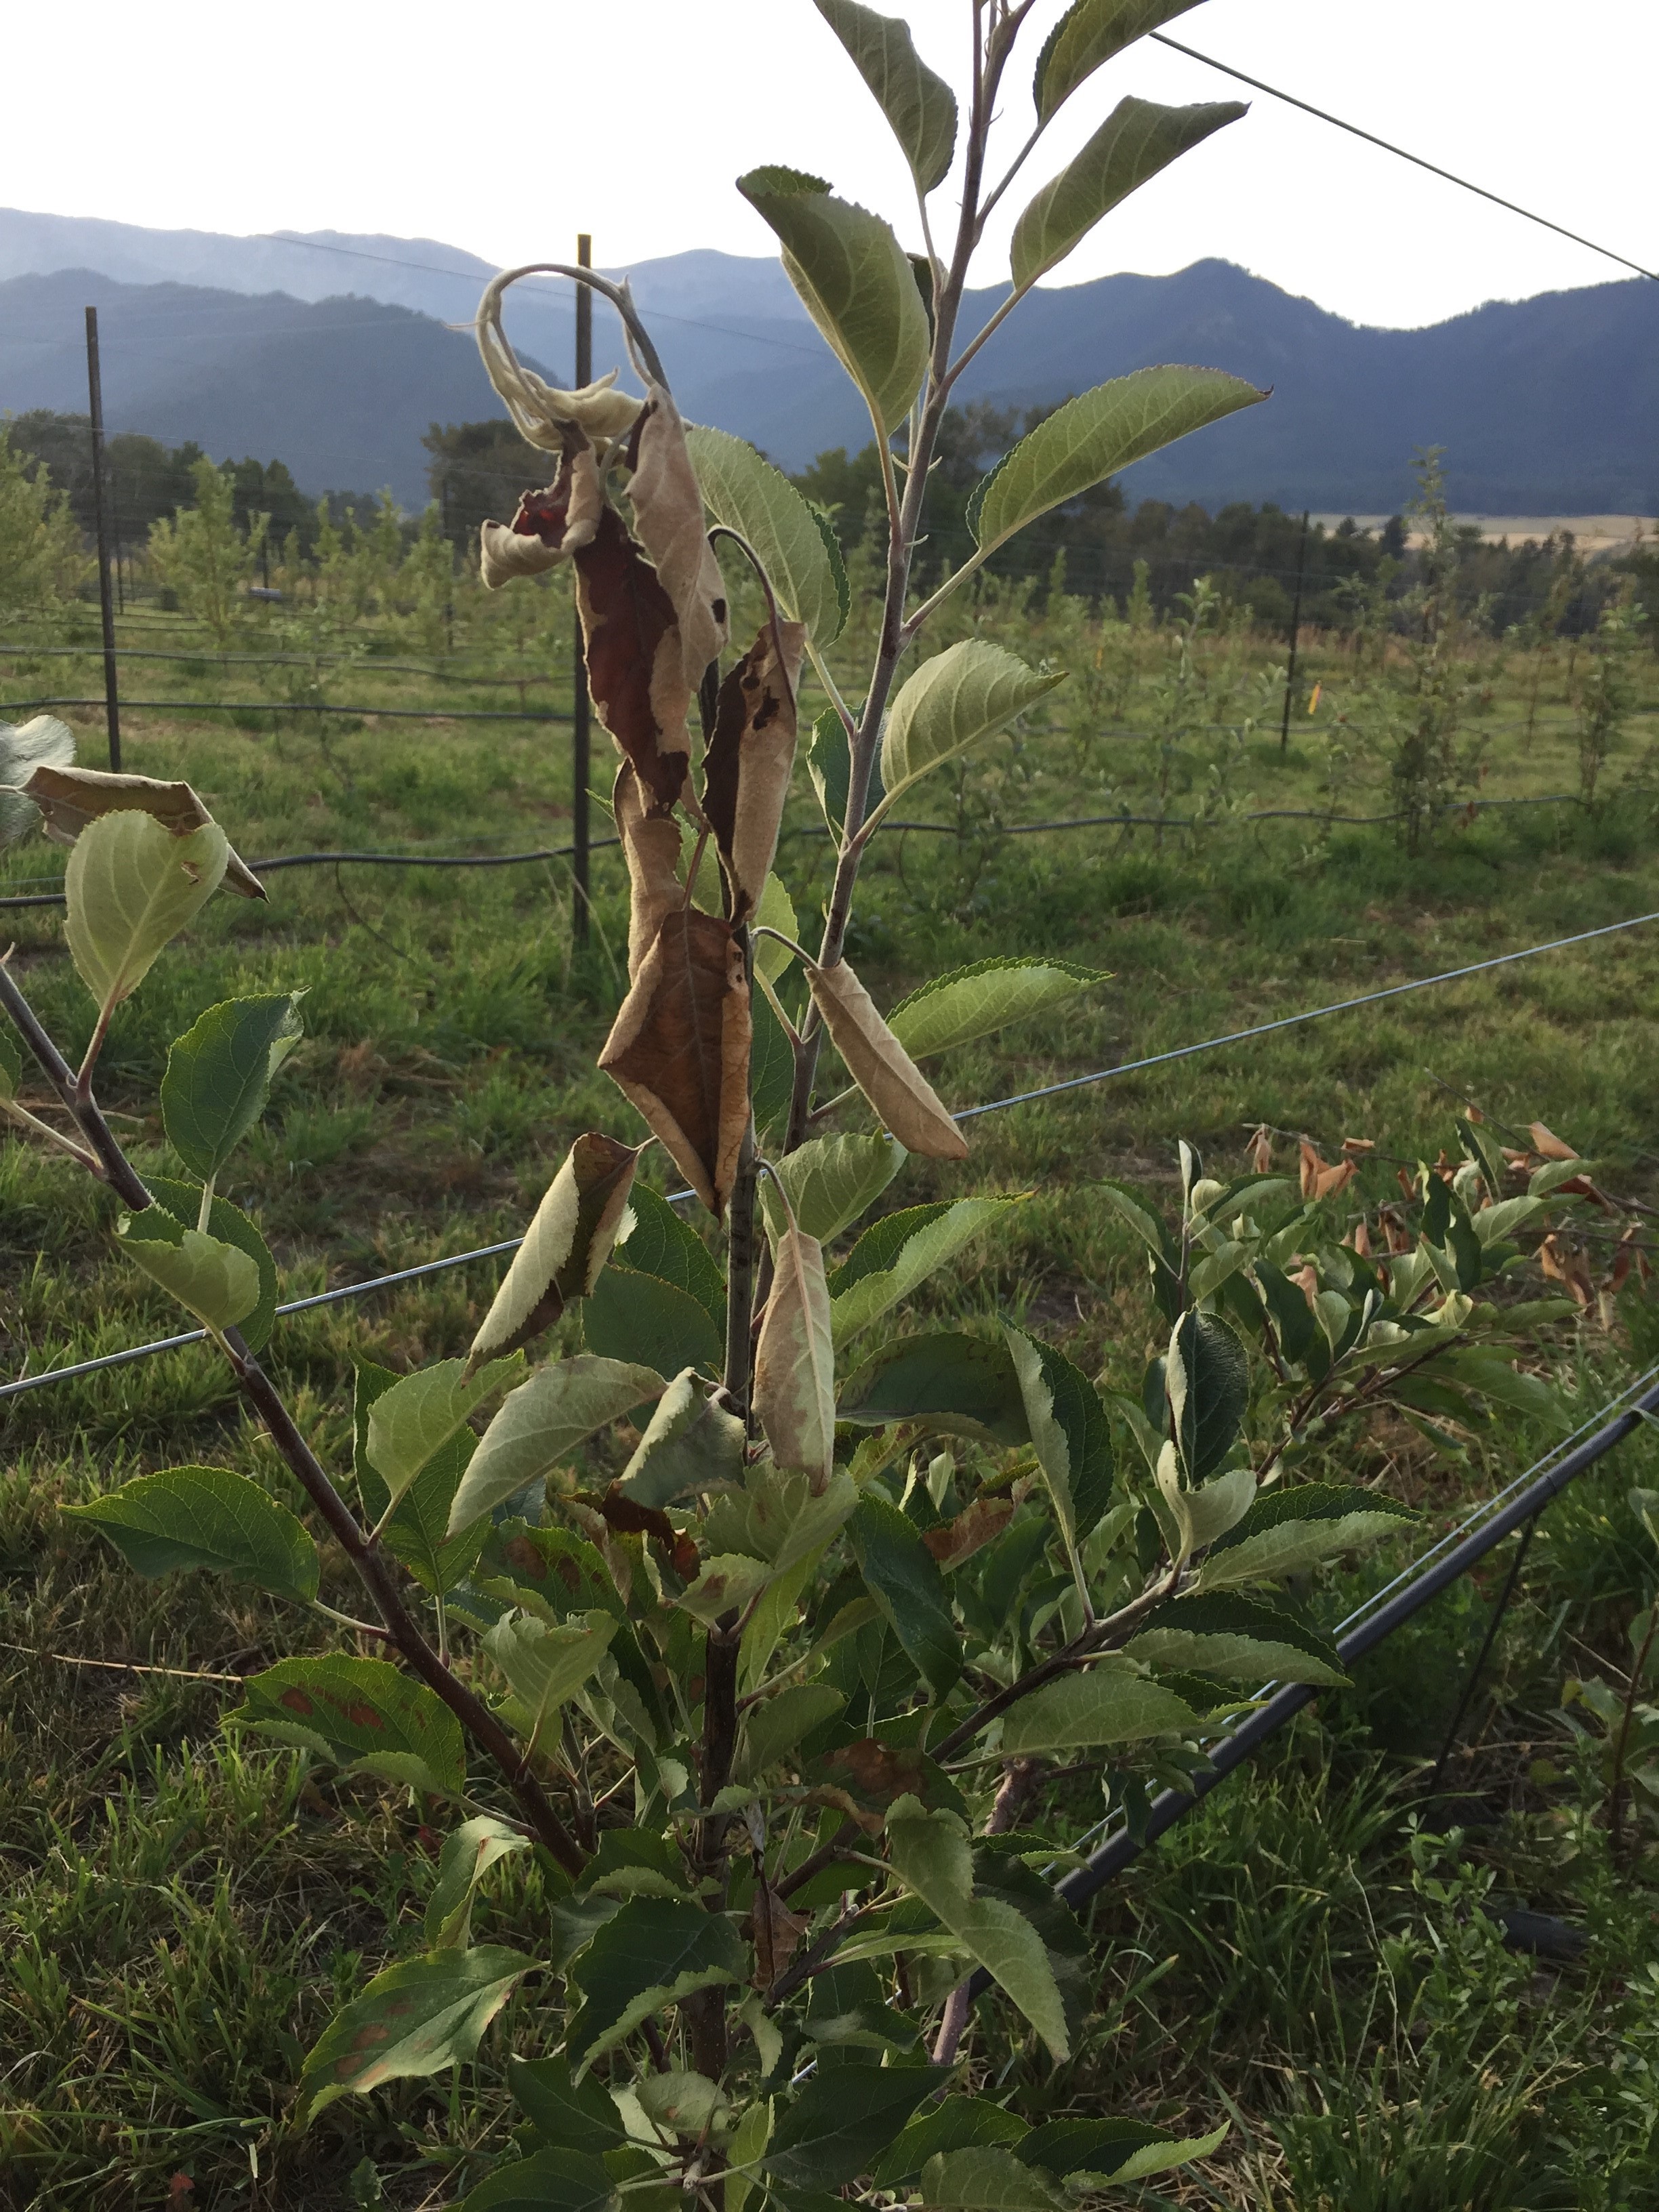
[(567, 1243), (1562, 1265), (1260, 1153), (70, 798), (549, 526), (795, 1362), (1547, 1144), (1319, 1178), (668, 515), (751, 756), (652, 844), (1306, 1278), (634, 664), (1357, 1148), (881, 1067), (1360, 1241), (777, 1934), (959, 1540), (680, 1049)]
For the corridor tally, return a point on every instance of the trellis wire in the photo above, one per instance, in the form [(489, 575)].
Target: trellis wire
[(966, 1114), (819, 830)]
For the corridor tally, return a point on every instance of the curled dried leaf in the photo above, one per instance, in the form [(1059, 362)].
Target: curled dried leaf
[(667, 503), (566, 1245), (651, 843), (70, 798), (1548, 1145), (984, 1521), (1319, 1178), (549, 526), (680, 1049), (542, 415), (882, 1068), (751, 757), (636, 665)]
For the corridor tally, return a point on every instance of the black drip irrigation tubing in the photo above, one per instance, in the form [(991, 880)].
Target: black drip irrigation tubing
[(814, 829), (1516, 1507), (966, 1114)]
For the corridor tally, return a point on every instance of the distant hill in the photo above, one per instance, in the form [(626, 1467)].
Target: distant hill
[(1548, 405)]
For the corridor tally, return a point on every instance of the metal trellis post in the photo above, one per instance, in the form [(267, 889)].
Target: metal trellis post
[(95, 409), (1295, 632), (580, 766)]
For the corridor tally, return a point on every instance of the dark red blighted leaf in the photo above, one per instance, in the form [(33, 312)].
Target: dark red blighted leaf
[(751, 756), (679, 1049), (633, 651)]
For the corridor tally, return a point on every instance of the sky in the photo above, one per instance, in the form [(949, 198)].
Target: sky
[(506, 133)]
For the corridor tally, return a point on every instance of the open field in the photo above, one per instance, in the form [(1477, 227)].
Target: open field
[(1303, 1955)]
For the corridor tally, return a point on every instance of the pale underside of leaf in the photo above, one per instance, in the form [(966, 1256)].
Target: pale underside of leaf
[(131, 886), (956, 1009), (568, 1243), (757, 501), (795, 1361), (894, 1086), (543, 1420), (967, 692)]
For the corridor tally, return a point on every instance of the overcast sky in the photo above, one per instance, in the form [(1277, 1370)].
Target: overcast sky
[(505, 129)]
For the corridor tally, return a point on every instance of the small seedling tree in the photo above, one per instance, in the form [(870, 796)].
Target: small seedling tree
[(761, 1620)]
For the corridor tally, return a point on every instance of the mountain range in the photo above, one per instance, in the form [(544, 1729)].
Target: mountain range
[(334, 352)]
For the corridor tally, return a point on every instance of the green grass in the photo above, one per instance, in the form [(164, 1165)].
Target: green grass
[(179, 1909)]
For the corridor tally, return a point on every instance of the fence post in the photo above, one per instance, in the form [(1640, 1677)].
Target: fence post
[(95, 409), (579, 765), (1296, 629)]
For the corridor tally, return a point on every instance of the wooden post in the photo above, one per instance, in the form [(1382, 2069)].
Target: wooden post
[(580, 728), (95, 409)]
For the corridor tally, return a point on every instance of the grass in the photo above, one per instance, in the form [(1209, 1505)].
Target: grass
[(179, 1910)]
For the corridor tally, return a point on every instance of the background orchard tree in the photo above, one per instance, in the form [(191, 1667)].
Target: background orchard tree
[(760, 1623)]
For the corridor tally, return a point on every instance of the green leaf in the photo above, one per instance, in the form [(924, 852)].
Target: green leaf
[(780, 1517), (568, 2179), (802, 562), (754, 2130), (1068, 1427), (1119, 2150), (662, 1244), (920, 106), (779, 1722), (1089, 33), (212, 1279), (776, 911), (231, 1226), (950, 702), (416, 1531), (1136, 140), (902, 1577), (856, 283), (1091, 437), (545, 1666), (565, 1245), (725, 1581), (829, 762), (691, 1443), (629, 1315), (841, 2120), (415, 2018), (771, 1062), (563, 2111), (972, 1002), (649, 1954), (1207, 1377), (206, 1517), (682, 2103), (542, 1422), (1236, 1639), (1287, 1531), (959, 1386), (11, 1064), (829, 1181), (932, 1856), (130, 887), (467, 1858), (419, 1415), (890, 1260), (985, 2179), (360, 1713), (219, 1073), (959, 2123), (1112, 1703)]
